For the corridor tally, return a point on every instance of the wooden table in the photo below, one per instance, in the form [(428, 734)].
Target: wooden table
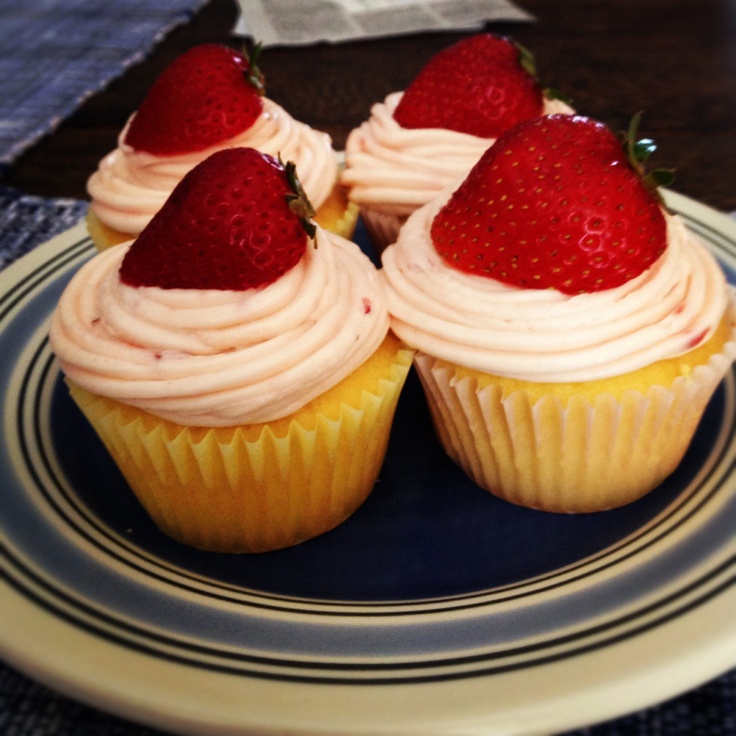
[(673, 59)]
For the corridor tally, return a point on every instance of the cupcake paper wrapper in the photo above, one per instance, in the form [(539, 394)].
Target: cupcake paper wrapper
[(382, 228), (337, 214), (237, 489), (103, 236), (577, 457)]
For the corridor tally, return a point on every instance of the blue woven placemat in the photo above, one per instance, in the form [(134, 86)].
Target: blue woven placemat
[(27, 221), (30, 709), (55, 53)]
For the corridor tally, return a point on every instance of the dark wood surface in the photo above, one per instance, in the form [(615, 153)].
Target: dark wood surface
[(673, 59)]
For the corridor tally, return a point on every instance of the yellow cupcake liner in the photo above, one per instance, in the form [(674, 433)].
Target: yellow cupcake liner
[(104, 236), (257, 487), (575, 456), (337, 213)]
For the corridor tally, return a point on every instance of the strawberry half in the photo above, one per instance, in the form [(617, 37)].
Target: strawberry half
[(553, 203), (207, 95), (235, 221), (477, 86)]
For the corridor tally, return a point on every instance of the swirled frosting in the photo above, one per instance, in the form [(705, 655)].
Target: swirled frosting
[(544, 335), (221, 358), (396, 170), (130, 186)]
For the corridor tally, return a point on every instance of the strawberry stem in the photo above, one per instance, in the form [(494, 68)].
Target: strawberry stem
[(254, 75), (526, 59), (527, 63), (298, 201), (638, 151), (551, 93)]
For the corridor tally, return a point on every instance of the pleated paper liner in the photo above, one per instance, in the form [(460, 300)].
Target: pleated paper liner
[(571, 452), (104, 236), (337, 213), (259, 487)]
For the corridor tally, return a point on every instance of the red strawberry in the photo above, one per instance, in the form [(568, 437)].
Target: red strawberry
[(476, 86), (553, 203), (206, 96), (233, 222)]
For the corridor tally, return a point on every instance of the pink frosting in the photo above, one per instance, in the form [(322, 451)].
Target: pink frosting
[(130, 186), (221, 358), (545, 335), (395, 170)]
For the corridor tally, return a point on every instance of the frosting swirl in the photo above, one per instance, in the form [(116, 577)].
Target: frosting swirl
[(130, 186), (397, 169), (221, 358), (544, 335)]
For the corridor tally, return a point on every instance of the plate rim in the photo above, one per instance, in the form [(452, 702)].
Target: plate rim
[(720, 658)]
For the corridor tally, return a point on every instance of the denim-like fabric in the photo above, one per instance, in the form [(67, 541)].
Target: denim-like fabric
[(56, 53)]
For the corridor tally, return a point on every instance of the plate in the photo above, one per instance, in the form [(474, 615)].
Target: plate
[(435, 609)]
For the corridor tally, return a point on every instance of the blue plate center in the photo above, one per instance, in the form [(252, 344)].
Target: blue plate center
[(425, 532)]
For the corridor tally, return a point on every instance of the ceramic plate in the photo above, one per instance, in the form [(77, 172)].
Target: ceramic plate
[(435, 609)]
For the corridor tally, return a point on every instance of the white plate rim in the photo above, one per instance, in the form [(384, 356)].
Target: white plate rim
[(103, 674)]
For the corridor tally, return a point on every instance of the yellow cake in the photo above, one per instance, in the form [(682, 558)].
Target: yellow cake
[(235, 360), (258, 487), (575, 447)]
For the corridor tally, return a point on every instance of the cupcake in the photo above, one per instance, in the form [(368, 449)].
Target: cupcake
[(417, 142), (569, 331), (238, 368), (209, 99)]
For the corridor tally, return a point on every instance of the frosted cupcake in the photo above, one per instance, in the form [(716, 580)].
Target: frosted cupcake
[(570, 332), (209, 99), (238, 370), (417, 142)]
